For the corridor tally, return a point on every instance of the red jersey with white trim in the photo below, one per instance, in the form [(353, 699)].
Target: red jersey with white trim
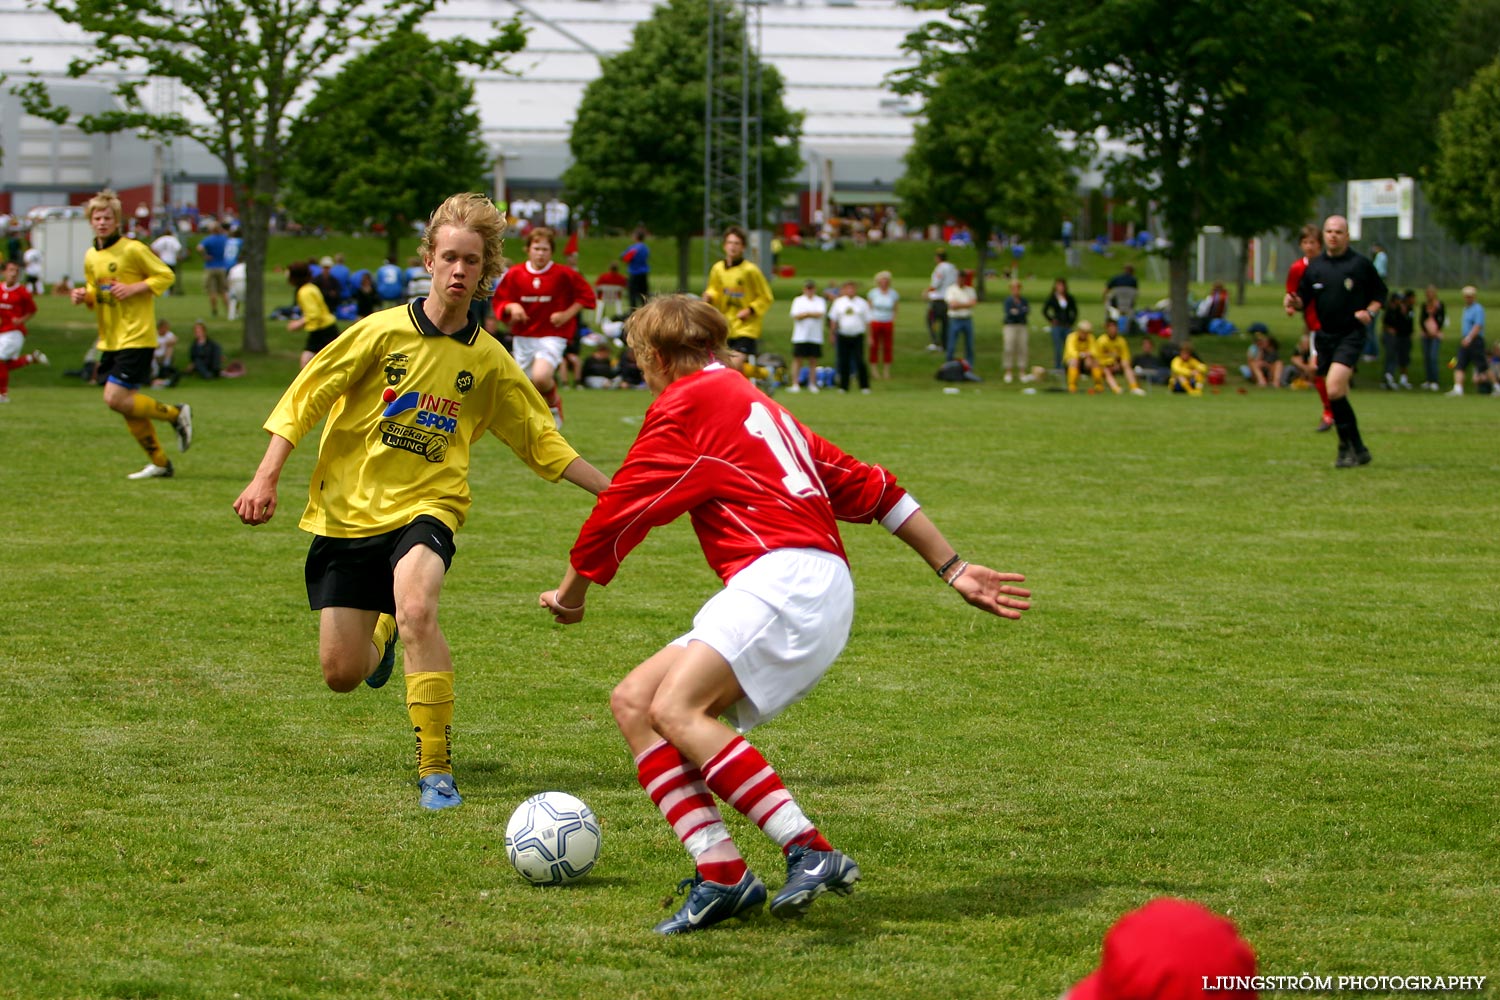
[(752, 478), (16, 307), (1310, 309), (542, 293)]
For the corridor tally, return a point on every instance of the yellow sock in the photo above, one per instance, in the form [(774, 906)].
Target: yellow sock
[(141, 430), (1072, 379), (385, 626), (429, 702), (145, 406)]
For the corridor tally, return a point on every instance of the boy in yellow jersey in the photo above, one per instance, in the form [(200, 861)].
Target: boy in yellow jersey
[(121, 281), (1078, 356), (406, 392), (316, 317), (1112, 357), (738, 290), (1189, 374)]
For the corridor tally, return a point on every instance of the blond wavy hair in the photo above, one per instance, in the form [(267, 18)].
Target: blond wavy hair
[(472, 213), (106, 199)]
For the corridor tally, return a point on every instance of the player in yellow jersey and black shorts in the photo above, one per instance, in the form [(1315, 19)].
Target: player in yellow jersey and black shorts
[(405, 392), (738, 290), (317, 318), (122, 278)]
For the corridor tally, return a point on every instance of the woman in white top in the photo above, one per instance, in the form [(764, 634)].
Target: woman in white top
[(883, 299)]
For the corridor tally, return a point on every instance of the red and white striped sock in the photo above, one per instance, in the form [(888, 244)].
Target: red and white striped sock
[(676, 787), (739, 775)]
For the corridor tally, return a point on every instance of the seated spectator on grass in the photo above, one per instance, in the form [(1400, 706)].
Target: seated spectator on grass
[(1171, 949), (1263, 362), (1112, 356), (1078, 357), (1151, 366), (206, 356), (599, 370), (1189, 374), (164, 358), (1213, 306), (631, 375), (1302, 371)]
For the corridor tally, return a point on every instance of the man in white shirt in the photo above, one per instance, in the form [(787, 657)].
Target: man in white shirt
[(850, 315), (169, 248), (944, 276), (808, 313)]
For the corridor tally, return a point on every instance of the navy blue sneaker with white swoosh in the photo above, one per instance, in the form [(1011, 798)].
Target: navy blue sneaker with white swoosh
[(809, 874), (709, 902)]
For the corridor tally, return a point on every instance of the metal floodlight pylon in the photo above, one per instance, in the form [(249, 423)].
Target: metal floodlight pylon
[(732, 134)]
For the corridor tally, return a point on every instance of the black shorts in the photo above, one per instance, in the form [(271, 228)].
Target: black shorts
[(130, 367), (1345, 350), (744, 345), (1472, 355), (360, 572), (807, 350), (319, 339)]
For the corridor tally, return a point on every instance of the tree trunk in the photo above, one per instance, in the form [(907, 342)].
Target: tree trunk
[(393, 241), (1182, 310), (684, 247), (983, 246), (255, 222), (1239, 295)]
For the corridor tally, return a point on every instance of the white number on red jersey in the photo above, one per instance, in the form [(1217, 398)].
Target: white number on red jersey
[(789, 448)]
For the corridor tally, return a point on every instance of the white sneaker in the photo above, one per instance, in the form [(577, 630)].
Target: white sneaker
[(864, 392), (184, 426), (4, 398), (933, 347), (153, 472), (813, 387), (1137, 391), (1008, 378), (38, 358), (1457, 390), (794, 388)]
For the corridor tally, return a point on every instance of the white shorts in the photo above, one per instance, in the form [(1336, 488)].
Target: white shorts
[(527, 349), (780, 622), (11, 343)]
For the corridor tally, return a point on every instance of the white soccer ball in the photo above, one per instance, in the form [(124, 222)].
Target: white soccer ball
[(552, 839)]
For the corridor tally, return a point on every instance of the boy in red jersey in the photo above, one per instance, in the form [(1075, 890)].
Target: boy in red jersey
[(540, 302), (1310, 241), (16, 307), (764, 494)]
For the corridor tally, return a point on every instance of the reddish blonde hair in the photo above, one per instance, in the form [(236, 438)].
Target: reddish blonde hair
[(677, 335)]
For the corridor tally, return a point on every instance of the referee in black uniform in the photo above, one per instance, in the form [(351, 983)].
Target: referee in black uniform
[(1348, 292)]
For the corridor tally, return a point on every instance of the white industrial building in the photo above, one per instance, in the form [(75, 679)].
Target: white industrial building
[(834, 55)]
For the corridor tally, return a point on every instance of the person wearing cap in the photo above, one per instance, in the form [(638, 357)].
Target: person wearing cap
[(808, 313), (1348, 294), (1171, 949), (1471, 342), (1078, 356)]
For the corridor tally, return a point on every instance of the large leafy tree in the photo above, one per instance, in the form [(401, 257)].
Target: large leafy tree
[(985, 151), (389, 137), (637, 141), (1465, 182), (246, 62), (1206, 94)]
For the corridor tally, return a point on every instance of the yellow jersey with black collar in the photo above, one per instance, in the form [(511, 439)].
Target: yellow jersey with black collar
[(1108, 350), (405, 402), (737, 287), (124, 323)]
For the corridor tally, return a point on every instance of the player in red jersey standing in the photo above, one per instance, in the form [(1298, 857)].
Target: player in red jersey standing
[(540, 302), (765, 495), (16, 307), (1310, 241)]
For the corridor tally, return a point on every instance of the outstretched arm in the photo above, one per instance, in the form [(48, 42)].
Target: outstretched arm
[(981, 586), (585, 476), (257, 504), (566, 602)]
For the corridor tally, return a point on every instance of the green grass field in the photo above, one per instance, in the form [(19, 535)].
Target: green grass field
[(1248, 678)]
